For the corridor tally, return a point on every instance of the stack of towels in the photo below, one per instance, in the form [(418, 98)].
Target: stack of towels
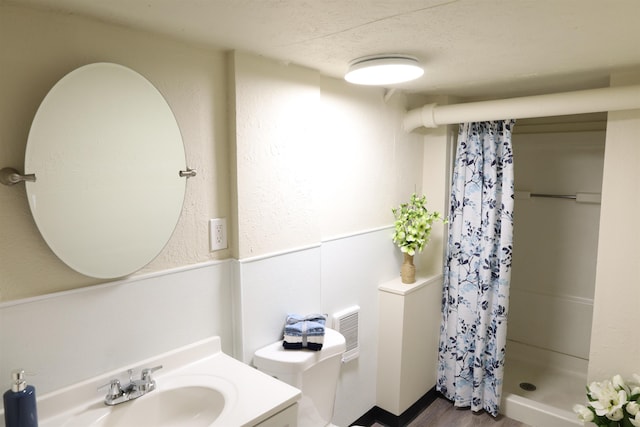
[(304, 332)]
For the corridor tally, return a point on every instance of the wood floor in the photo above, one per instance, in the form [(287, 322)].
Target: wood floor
[(442, 413)]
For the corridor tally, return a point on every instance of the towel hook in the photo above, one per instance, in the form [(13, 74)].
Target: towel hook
[(10, 176)]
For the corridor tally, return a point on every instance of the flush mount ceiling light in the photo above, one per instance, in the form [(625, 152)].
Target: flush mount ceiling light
[(383, 70)]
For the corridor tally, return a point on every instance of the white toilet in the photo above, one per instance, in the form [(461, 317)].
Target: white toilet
[(315, 373)]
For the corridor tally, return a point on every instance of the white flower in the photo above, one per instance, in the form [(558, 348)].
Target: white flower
[(619, 384), (614, 399), (617, 381), (584, 414), (608, 401), (635, 385), (597, 390), (616, 414)]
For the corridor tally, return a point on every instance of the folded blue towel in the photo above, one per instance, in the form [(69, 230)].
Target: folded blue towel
[(312, 324), (296, 318), (304, 332)]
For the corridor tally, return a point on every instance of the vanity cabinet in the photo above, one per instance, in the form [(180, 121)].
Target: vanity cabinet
[(285, 418)]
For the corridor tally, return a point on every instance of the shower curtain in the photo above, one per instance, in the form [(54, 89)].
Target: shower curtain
[(477, 268)]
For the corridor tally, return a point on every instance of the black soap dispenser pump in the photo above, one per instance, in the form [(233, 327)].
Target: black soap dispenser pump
[(20, 403)]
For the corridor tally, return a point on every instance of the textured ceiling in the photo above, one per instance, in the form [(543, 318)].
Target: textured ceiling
[(473, 48)]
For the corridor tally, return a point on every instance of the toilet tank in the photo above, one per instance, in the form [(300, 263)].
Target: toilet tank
[(315, 373)]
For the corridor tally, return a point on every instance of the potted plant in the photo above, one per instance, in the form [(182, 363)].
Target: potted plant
[(412, 231)]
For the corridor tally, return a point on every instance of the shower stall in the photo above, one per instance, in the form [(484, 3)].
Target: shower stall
[(558, 179)]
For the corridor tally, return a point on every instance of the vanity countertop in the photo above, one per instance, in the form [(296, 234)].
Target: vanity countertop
[(250, 396)]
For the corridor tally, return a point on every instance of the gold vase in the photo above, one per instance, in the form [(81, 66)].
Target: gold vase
[(408, 270)]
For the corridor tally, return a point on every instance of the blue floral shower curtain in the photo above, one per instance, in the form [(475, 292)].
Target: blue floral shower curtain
[(478, 268)]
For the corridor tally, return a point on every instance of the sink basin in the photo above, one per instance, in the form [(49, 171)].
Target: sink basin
[(185, 400), (195, 406)]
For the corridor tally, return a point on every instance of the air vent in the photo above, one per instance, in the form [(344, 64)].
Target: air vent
[(346, 322)]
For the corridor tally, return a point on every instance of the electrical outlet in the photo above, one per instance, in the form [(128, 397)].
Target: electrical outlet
[(218, 234)]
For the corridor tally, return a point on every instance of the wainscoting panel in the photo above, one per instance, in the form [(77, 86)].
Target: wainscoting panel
[(270, 288), (553, 322), (65, 337)]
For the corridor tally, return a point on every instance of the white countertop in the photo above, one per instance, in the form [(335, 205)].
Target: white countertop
[(396, 286), (250, 395)]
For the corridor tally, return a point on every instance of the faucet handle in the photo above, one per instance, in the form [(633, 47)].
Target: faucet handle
[(146, 373), (114, 389)]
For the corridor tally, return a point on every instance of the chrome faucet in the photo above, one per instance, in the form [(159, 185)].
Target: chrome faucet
[(132, 390)]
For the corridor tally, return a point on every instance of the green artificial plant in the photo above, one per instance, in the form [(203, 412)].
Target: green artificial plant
[(413, 224)]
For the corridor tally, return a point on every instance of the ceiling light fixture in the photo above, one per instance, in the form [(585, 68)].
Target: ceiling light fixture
[(383, 70)]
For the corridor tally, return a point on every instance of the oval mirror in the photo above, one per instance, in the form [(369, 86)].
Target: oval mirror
[(106, 151)]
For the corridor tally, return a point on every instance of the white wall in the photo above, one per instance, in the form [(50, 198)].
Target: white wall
[(437, 165), (289, 117), (327, 278), (276, 154), (269, 288), (367, 163), (555, 240), (66, 337), (317, 166), (615, 344), (37, 49), (315, 157), (352, 268)]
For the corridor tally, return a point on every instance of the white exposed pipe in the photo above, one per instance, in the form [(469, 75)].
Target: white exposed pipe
[(556, 104)]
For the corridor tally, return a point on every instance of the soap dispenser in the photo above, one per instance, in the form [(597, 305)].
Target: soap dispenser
[(20, 403)]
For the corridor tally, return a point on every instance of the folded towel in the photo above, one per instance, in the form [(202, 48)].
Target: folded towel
[(299, 346), (304, 332), (319, 339), (305, 327), (292, 319), (296, 343)]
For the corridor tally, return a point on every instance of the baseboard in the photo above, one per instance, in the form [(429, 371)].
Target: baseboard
[(379, 415)]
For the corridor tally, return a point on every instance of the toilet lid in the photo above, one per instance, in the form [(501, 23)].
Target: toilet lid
[(274, 358)]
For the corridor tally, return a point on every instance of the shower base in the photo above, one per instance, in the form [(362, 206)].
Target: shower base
[(541, 386)]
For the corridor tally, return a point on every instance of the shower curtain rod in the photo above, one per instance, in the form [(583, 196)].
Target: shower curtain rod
[(555, 104)]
